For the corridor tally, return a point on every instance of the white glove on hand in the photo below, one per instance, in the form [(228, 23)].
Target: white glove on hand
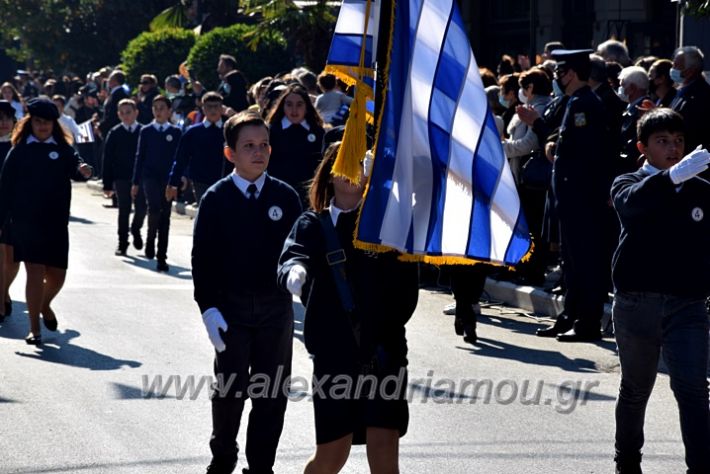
[(367, 163), (214, 321), (690, 166), (295, 280)]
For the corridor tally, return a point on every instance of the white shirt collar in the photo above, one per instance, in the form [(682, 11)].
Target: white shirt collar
[(649, 168), (160, 127), (131, 127), (285, 123), (116, 88), (242, 184), (335, 211), (33, 139), (6, 138), (208, 124)]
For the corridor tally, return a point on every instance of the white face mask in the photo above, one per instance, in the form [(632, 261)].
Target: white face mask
[(622, 94), (521, 96)]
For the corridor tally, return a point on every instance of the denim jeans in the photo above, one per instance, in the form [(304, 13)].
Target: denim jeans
[(645, 325)]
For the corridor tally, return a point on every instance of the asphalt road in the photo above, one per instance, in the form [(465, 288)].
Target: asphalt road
[(81, 403)]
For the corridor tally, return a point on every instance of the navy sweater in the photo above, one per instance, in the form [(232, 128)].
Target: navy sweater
[(156, 152), (200, 155), (236, 245), (665, 231), (119, 155)]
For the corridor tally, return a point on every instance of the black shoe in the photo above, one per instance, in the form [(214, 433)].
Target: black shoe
[(8, 308), (470, 333), (150, 250), (137, 241), (120, 251), (50, 324), (33, 340), (628, 465), (216, 467), (574, 336), (563, 324), (162, 266)]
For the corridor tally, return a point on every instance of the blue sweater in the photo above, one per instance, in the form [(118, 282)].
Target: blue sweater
[(156, 151), (200, 155)]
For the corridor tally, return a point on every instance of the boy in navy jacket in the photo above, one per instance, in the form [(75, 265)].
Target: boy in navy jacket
[(661, 273), (156, 149), (119, 161), (200, 153), (240, 228)]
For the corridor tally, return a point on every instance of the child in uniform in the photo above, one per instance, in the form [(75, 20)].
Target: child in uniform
[(240, 228), (157, 143), (119, 161), (8, 266), (35, 193)]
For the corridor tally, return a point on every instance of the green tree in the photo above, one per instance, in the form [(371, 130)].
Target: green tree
[(72, 35), (158, 52), (697, 8), (307, 30), (269, 58)]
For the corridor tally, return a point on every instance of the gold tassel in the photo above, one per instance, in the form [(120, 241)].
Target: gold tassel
[(348, 162)]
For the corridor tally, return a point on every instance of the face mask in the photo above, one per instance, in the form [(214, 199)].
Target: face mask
[(677, 76), (504, 102), (622, 94), (521, 97), (557, 90)]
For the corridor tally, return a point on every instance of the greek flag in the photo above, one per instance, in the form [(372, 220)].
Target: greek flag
[(345, 48), (441, 188)]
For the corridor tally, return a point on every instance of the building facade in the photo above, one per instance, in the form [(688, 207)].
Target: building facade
[(497, 27)]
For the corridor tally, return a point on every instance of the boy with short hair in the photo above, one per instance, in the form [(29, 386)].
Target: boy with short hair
[(200, 153), (156, 148), (119, 161), (240, 229), (661, 273)]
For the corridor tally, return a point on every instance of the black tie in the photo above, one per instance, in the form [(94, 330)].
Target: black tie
[(252, 189)]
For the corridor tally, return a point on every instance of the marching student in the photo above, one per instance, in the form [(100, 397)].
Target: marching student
[(357, 304), (8, 266), (296, 139), (240, 228), (156, 149), (200, 153), (35, 193), (661, 274), (119, 161)]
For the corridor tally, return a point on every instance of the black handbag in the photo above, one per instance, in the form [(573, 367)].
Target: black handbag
[(536, 173)]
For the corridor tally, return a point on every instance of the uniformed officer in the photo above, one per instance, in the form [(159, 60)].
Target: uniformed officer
[(581, 181), (240, 229)]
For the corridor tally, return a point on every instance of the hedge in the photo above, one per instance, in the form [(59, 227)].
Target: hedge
[(159, 53), (270, 57)]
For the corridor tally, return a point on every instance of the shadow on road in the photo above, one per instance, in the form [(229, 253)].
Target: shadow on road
[(58, 347), (176, 271)]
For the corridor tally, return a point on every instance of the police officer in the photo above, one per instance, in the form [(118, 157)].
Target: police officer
[(581, 181), (239, 233)]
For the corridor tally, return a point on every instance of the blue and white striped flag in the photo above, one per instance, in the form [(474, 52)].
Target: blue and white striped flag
[(441, 188), (345, 48), (86, 132)]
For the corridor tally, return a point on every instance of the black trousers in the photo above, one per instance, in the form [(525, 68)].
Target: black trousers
[(122, 188), (258, 361), (467, 283), (586, 264), (158, 215)]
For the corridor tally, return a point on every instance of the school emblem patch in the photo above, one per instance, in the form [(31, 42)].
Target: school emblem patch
[(311, 137), (53, 155), (275, 213), (697, 214), (169, 138), (580, 120)]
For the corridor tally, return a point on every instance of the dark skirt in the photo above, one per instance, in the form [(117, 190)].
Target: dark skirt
[(49, 247), (347, 400), (6, 235)]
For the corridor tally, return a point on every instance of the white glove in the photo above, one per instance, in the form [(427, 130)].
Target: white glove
[(214, 321), (367, 163), (690, 166), (295, 280)]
